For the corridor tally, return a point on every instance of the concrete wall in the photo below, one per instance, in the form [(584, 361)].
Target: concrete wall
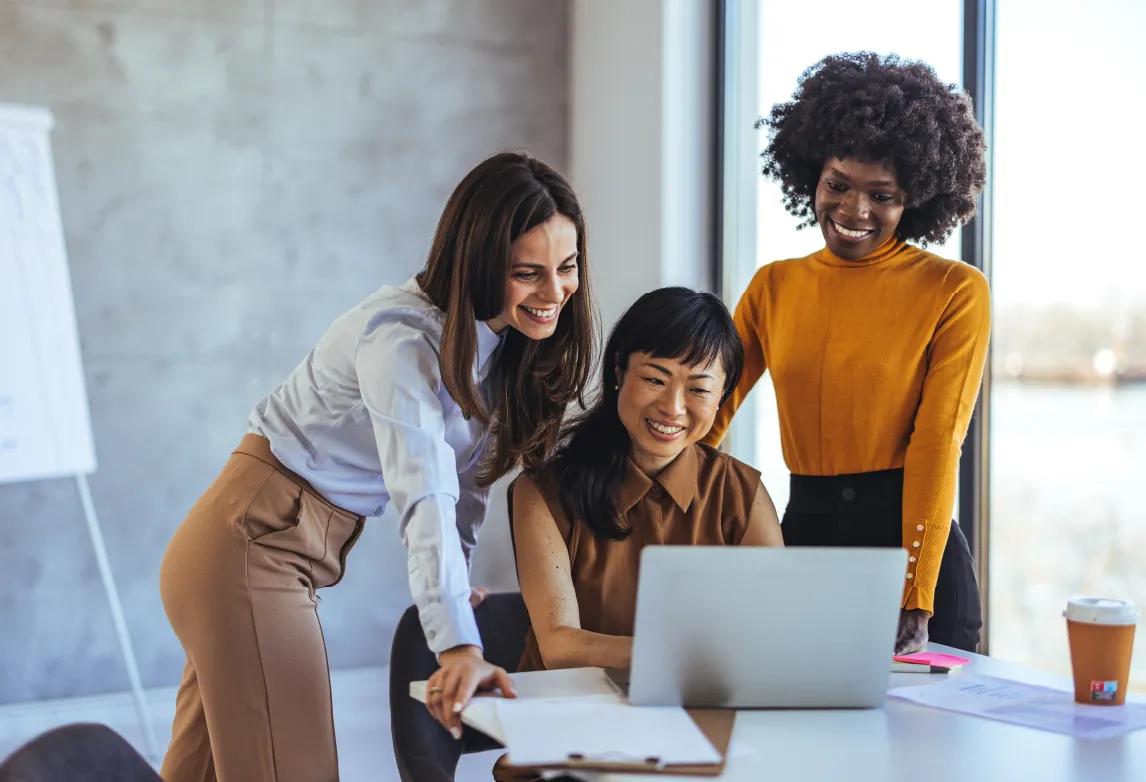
[(642, 134), (232, 176)]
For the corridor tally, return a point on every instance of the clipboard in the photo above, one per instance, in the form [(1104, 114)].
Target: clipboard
[(715, 724)]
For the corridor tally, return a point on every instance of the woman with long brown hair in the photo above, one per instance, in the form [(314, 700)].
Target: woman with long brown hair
[(420, 396)]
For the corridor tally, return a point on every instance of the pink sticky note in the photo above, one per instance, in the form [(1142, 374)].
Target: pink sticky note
[(938, 659)]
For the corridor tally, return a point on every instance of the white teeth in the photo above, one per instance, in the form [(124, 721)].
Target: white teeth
[(546, 313), (849, 232), (665, 429)]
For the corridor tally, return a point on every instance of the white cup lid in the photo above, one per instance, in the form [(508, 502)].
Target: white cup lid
[(1101, 611)]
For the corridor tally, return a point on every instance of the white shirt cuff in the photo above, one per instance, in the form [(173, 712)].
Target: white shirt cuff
[(447, 625)]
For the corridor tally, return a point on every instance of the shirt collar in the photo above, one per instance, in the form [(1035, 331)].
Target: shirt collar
[(487, 344), (678, 480), (487, 340)]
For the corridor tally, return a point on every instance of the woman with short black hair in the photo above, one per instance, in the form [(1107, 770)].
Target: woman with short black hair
[(876, 347), (632, 473)]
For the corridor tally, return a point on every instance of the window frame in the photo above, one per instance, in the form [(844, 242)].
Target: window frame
[(975, 462)]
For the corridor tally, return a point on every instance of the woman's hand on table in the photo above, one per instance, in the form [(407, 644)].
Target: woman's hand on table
[(912, 634), (463, 671)]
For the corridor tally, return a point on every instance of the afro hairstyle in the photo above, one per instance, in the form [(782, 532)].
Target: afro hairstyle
[(880, 108)]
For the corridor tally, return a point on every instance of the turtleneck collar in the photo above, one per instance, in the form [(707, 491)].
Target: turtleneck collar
[(892, 247)]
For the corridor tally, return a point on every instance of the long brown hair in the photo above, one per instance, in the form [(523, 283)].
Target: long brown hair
[(532, 381)]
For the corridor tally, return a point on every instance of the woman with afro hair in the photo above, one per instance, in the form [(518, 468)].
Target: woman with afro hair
[(876, 347)]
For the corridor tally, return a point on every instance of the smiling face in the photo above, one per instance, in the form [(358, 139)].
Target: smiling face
[(666, 406), (542, 278), (858, 205)]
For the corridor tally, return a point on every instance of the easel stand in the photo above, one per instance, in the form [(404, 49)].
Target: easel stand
[(150, 744)]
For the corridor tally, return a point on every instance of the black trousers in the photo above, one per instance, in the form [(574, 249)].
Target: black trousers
[(424, 750), (865, 509)]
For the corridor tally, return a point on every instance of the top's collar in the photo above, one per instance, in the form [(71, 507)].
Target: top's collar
[(678, 479), (891, 247)]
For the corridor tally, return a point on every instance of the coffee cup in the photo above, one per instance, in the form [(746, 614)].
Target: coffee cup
[(1101, 635)]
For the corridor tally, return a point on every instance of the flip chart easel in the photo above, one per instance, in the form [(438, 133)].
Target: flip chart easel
[(45, 429)]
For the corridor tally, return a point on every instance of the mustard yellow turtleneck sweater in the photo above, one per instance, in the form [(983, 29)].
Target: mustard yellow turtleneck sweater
[(876, 365)]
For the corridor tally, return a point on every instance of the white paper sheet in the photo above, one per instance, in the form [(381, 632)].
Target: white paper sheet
[(544, 731), (571, 683), (1026, 704)]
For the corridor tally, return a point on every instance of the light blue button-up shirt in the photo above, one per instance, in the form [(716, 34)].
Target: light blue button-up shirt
[(367, 420)]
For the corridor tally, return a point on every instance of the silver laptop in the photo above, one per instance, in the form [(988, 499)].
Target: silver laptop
[(752, 627)]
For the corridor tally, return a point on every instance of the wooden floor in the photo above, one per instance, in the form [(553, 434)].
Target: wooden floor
[(361, 714)]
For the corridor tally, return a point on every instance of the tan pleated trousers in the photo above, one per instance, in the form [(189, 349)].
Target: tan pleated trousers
[(238, 584)]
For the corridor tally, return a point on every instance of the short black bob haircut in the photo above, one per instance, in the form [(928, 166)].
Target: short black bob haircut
[(678, 323), (882, 109)]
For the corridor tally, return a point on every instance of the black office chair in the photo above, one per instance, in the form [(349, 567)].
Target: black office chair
[(423, 750), (83, 752)]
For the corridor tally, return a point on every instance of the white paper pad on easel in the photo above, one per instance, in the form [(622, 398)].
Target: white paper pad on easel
[(1026, 704), (541, 732)]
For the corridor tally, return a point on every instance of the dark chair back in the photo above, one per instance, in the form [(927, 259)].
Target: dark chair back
[(83, 752)]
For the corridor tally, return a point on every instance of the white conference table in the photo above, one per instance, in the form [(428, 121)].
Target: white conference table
[(900, 741)]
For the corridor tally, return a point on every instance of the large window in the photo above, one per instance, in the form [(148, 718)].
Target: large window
[(1065, 444), (1068, 398)]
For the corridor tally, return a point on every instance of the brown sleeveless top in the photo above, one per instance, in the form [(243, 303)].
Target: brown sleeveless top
[(702, 498)]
